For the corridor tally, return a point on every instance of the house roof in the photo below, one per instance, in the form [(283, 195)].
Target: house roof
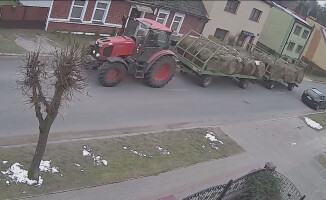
[(154, 24), (194, 7)]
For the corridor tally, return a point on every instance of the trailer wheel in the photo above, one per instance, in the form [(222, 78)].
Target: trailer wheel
[(269, 84), (290, 86), (111, 74), (161, 72), (243, 83), (205, 80)]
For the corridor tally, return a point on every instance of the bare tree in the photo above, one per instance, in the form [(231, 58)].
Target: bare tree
[(48, 84)]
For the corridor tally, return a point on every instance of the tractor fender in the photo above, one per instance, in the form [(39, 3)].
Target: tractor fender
[(157, 55), (118, 59)]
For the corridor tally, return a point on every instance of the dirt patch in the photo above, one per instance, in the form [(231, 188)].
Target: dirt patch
[(38, 42), (128, 157)]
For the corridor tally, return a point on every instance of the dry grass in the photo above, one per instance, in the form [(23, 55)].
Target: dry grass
[(185, 146)]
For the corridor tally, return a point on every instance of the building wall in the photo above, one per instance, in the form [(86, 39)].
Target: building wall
[(235, 23), (276, 30), (316, 46), (297, 39), (59, 18)]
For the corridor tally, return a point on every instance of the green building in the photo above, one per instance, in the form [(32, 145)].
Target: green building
[(284, 33)]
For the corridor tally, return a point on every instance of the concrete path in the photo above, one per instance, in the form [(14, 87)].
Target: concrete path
[(33, 44), (289, 143)]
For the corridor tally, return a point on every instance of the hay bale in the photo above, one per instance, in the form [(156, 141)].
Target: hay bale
[(205, 54), (239, 67), (260, 69), (249, 68), (230, 65), (300, 75), (186, 42), (290, 74)]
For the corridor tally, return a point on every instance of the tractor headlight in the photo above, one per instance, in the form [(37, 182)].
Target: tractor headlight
[(97, 55), (100, 45)]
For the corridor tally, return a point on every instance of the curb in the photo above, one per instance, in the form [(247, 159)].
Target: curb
[(311, 80), (12, 54), (17, 55)]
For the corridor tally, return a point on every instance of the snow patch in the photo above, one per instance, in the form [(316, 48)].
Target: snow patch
[(45, 166), (4, 162), (97, 160), (293, 144), (105, 162), (212, 137), (136, 152), (312, 123), (19, 175), (162, 151), (86, 153), (78, 165)]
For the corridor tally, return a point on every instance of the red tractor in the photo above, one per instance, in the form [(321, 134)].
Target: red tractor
[(141, 50)]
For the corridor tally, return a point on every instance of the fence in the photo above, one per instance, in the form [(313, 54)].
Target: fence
[(27, 17), (234, 187)]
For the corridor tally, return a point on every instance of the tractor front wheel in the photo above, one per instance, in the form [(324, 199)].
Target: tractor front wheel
[(110, 74), (161, 72)]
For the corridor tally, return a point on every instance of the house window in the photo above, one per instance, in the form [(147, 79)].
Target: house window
[(232, 6), (162, 16), (177, 22), (290, 46), (305, 34), (255, 14), (220, 33), (77, 9), (100, 11), (299, 49), (297, 30)]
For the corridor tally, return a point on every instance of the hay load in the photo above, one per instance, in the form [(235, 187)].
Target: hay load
[(228, 60)]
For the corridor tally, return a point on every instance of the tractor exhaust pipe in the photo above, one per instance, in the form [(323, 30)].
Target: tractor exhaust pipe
[(124, 21)]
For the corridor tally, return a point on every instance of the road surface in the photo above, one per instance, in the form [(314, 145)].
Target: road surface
[(132, 104)]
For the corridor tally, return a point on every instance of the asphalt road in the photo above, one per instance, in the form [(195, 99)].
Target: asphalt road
[(132, 104)]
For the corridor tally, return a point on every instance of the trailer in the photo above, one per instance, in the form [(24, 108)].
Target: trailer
[(269, 80), (189, 62)]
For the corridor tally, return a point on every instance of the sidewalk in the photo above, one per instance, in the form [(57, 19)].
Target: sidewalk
[(289, 143)]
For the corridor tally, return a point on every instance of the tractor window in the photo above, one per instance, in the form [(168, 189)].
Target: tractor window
[(157, 38)]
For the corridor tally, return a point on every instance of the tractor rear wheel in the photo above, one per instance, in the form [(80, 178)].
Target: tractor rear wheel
[(161, 72), (110, 74)]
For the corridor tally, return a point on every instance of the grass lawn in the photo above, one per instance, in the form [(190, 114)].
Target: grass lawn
[(8, 36), (321, 158), (7, 41), (185, 147), (320, 118), (8, 3)]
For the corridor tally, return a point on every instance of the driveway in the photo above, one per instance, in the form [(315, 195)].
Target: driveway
[(132, 104)]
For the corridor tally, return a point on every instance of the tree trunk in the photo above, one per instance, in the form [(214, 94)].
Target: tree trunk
[(34, 171)]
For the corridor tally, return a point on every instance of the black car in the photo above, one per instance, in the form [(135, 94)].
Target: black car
[(314, 98)]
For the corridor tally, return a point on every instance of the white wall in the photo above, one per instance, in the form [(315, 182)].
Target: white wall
[(237, 22), (37, 3)]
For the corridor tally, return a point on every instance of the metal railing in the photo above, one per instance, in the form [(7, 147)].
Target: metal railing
[(288, 190)]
